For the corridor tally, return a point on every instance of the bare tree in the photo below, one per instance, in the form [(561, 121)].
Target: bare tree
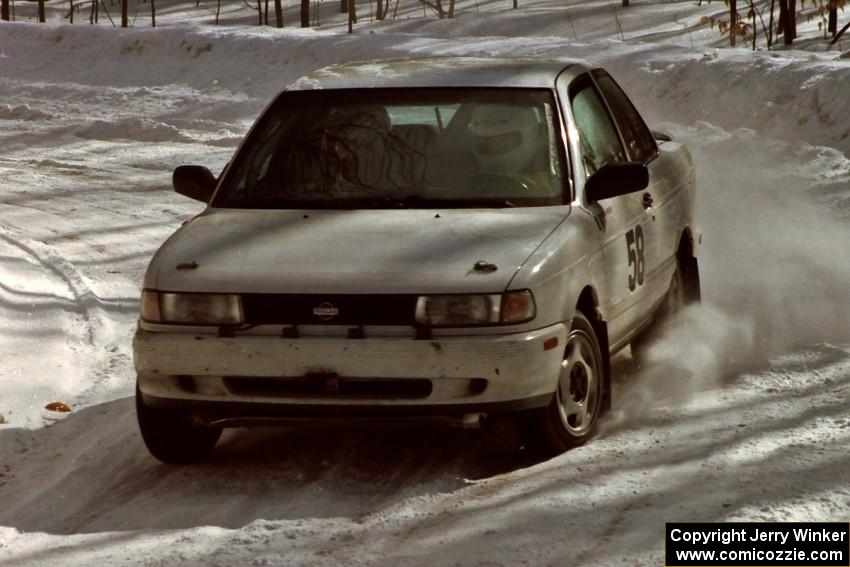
[(305, 13), (832, 26), (792, 15), (733, 22), (436, 5), (124, 18), (4, 10), (41, 16), (153, 13), (625, 3), (278, 13), (756, 13), (755, 28), (352, 15), (770, 25), (102, 5), (839, 34), (785, 22)]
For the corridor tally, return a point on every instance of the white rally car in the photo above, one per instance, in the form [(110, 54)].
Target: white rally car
[(453, 237)]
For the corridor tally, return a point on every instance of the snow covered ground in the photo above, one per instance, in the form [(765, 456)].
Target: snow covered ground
[(745, 415)]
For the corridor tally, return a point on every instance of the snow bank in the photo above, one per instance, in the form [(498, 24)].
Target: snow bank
[(136, 129), (789, 95), (22, 112), (783, 95)]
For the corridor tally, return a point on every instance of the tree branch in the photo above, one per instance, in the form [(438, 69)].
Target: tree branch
[(839, 34)]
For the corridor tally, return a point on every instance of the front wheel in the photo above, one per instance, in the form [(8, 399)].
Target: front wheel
[(571, 418), (172, 436)]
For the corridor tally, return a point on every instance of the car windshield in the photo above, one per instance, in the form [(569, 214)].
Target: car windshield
[(394, 148)]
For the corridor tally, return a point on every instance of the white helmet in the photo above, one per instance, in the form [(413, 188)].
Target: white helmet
[(505, 137)]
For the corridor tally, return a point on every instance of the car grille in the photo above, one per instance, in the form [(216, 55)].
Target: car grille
[(319, 309)]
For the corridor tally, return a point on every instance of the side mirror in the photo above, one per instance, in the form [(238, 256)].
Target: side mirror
[(194, 181), (615, 179)]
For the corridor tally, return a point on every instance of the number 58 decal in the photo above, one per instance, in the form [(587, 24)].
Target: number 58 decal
[(634, 244)]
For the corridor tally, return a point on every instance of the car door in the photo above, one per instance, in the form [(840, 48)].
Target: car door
[(660, 228), (625, 222)]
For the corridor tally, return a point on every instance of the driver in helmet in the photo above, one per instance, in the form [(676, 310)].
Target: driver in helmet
[(505, 138)]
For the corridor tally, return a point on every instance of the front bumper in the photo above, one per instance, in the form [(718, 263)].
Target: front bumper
[(269, 376)]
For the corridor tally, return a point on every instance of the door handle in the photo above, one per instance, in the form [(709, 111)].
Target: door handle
[(647, 201)]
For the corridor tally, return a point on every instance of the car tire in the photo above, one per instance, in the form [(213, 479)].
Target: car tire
[(172, 436), (684, 290), (572, 416)]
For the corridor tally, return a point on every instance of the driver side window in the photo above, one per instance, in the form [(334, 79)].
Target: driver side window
[(598, 138)]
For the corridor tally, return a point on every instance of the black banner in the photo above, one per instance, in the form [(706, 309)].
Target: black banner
[(758, 544)]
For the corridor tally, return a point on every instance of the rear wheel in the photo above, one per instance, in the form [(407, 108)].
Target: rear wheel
[(571, 418), (172, 436)]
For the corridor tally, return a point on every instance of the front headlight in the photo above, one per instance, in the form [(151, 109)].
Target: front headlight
[(470, 310), (191, 308)]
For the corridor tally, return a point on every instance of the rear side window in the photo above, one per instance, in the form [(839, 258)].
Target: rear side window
[(638, 138), (598, 138)]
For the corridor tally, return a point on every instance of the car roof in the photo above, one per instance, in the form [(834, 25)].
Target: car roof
[(441, 72)]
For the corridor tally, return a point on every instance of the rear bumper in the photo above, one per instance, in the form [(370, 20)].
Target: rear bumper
[(268, 376)]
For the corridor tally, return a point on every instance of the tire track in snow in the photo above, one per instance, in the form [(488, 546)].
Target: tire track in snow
[(83, 296), (95, 329)]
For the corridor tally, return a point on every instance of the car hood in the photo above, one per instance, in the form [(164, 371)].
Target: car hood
[(350, 251)]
